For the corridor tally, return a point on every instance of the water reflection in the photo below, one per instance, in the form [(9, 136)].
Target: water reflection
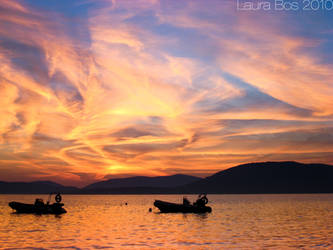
[(237, 221)]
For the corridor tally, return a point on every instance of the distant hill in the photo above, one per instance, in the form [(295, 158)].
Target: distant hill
[(251, 178), (143, 181), (37, 187), (268, 177)]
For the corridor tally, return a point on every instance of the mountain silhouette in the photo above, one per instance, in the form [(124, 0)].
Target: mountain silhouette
[(268, 177), (36, 187), (251, 178), (143, 181)]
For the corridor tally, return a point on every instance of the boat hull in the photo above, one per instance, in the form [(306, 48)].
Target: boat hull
[(168, 207), (55, 208)]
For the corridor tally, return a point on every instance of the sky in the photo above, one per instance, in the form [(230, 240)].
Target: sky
[(92, 90)]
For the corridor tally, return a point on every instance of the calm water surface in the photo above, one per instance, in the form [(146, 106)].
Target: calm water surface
[(237, 221)]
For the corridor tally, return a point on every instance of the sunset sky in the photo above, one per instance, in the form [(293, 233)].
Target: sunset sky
[(91, 90)]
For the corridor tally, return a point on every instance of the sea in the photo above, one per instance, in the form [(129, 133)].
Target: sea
[(274, 221)]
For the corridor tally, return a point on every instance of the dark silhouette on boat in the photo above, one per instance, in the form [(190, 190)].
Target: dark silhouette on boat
[(39, 207), (199, 206)]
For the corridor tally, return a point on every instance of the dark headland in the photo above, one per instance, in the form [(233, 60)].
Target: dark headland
[(251, 178)]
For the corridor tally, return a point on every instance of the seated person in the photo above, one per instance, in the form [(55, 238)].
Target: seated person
[(186, 201), (39, 202)]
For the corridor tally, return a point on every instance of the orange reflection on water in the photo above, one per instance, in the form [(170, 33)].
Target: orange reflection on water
[(237, 221)]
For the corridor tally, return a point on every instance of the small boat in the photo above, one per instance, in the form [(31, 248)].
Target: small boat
[(197, 207), (39, 207)]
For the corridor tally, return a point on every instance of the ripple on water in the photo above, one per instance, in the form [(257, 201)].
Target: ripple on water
[(237, 221)]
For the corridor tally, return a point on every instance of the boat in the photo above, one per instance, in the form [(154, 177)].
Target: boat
[(39, 207), (186, 207)]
